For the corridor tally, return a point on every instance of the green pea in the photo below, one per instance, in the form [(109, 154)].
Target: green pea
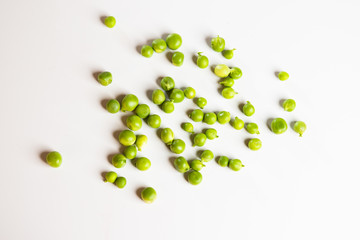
[(177, 59), (113, 106), (168, 106), (199, 140), (228, 92), (181, 164), (189, 92), (223, 117), (148, 195), (227, 82), (228, 54), (211, 133), (120, 182), (188, 127), (210, 118), (130, 152), (154, 121), (134, 122), (238, 124), (110, 177), (221, 70), (167, 83), (197, 115), (235, 73), (143, 163), (252, 128), (173, 41), (197, 165), (167, 136), (218, 44), (105, 78), (110, 21), (283, 76), (254, 144), (177, 146), (159, 45), (223, 161), (127, 138), (54, 159), (289, 105), (194, 177), (202, 61), (158, 96), (118, 160), (201, 102), (129, 103), (248, 109), (177, 95), (141, 141), (147, 51), (300, 127), (206, 156), (278, 125), (142, 110), (235, 164)]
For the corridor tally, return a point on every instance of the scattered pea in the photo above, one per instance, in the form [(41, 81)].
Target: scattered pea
[(238, 124), (127, 138), (221, 70), (147, 51), (235, 164), (197, 115), (283, 76), (177, 146), (168, 106), (206, 156), (143, 163), (141, 141), (223, 117), (223, 161), (211, 133), (248, 109), (167, 136), (105, 78), (278, 125), (181, 164), (110, 21), (158, 96), (177, 95), (195, 177), (189, 92), (201, 102), (159, 45), (148, 195), (228, 92), (202, 61), (218, 44), (154, 121), (289, 105), (199, 140), (167, 83), (120, 182), (235, 73), (228, 54), (130, 152), (129, 103), (110, 177), (113, 106), (197, 165), (177, 59), (142, 110), (188, 127), (210, 118), (134, 122), (254, 144), (118, 160), (227, 82), (173, 41), (54, 159), (252, 128), (300, 127)]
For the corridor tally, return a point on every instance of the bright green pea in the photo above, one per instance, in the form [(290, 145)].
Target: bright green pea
[(142, 110), (195, 177), (248, 109), (197, 165), (167, 83), (289, 105), (129, 103), (113, 106), (54, 159), (188, 127), (254, 144), (154, 121), (189, 92), (110, 177), (159, 45), (168, 106), (141, 141), (221, 70), (110, 21), (199, 140), (105, 78), (235, 164), (147, 51), (238, 124), (223, 117), (211, 133), (206, 156), (127, 138), (218, 44), (118, 160), (142, 163), (201, 102), (210, 118), (177, 95), (181, 164), (228, 92), (173, 41), (177, 59), (227, 82), (228, 54), (130, 152), (197, 115), (177, 146), (158, 96), (202, 61), (235, 73), (283, 76), (252, 128), (120, 182), (223, 161), (300, 127), (134, 122), (278, 125), (148, 195), (167, 136)]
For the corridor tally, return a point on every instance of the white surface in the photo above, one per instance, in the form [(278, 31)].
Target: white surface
[(293, 188)]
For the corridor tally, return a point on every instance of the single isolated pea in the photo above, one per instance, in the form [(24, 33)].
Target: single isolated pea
[(235, 164), (134, 122), (218, 44), (120, 182), (221, 70), (206, 156), (154, 121), (54, 159), (300, 127), (289, 105), (195, 177), (118, 160), (168, 106), (141, 141), (177, 59), (223, 117), (238, 124), (158, 96), (130, 152), (283, 76), (127, 138), (173, 41), (254, 144), (197, 115), (252, 128), (167, 136), (113, 106), (210, 118), (177, 95), (228, 92), (142, 163), (223, 161), (197, 165), (248, 109), (105, 78), (177, 146), (148, 195), (110, 21), (129, 103), (228, 54), (189, 92), (188, 127), (110, 177), (235, 73), (211, 133), (167, 83), (227, 82), (181, 164), (142, 110), (159, 45), (199, 140), (279, 125), (147, 51), (202, 61), (201, 102)]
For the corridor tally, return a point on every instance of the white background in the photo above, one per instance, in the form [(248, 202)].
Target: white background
[(293, 188)]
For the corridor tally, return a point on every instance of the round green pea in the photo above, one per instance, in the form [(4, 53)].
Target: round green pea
[(235, 73), (189, 92), (278, 125), (283, 76), (228, 54), (206, 156), (154, 121), (110, 177), (167, 83), (141, 141), (211, 133), (238, 124), (110, 21), (248, 109), (223, 161), (134, 122), (127, 138), (158, 96), (252, 128), (167, 136), (210, 118), (105, 78), (143, 163), (147, 51), (177, 59), (130, 152), (54, 159), (113, 106), (227, 82), (177, 95), (235, 164), (142, 110), (221, 70), (197, 165), (188, 127), (181, 164), (300, 127), (120, 182), (118, 160), (218, 44), (173, 41), (201, 102), (289, 105), (228, 92), (159, 45), (148, 195), (223, 117), (129, 103), (197, 115), (254, 144), (168, 106), (177, 146), (199, 140), (202, 61), (195, 177)]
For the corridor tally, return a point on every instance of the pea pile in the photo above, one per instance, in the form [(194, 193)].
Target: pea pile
[(166, 98)]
